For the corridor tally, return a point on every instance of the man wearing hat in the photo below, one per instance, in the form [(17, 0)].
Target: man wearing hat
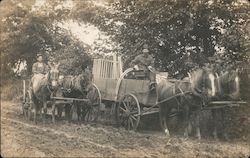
[(39, 67), (144, 62)]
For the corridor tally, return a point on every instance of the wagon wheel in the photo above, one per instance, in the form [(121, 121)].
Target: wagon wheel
[(128, 112), (94, 103), (27, 106)]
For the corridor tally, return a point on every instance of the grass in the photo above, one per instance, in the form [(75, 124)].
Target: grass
[(11, 90)]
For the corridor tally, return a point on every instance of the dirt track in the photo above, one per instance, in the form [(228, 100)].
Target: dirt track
[(23, 138)]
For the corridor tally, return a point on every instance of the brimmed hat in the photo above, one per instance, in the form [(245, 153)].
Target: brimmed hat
[(145, 50), (38, 55)]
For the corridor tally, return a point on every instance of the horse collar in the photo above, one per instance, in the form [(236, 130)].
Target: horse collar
[(48, 87)]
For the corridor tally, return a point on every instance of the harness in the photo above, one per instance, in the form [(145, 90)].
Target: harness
[(50, 91), (74, 84), (68, 88)]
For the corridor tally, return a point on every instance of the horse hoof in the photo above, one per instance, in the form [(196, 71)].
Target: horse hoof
[(226, 138), (167, 133), (186, 133), (198, 137), (216, 138)]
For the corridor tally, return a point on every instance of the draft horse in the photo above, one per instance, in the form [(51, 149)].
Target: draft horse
[(42, 88), (196, 92), (227, 89), (75, 87)]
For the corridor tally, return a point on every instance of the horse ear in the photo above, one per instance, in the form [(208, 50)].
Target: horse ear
[(50, 65), (57, 65), (61, 77)]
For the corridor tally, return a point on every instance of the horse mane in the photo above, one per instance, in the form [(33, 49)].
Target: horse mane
[(199, 82), (226, 81), (228, 76), (67, 82), (79, 82), (196, 76)]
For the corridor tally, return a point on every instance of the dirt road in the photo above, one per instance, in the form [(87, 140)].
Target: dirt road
[(23, 138)]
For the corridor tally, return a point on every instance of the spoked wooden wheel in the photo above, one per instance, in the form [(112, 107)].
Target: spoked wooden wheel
[(27, 106), (128, 112), (94, 103)]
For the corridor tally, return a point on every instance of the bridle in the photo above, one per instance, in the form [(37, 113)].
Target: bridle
[(52, 75)]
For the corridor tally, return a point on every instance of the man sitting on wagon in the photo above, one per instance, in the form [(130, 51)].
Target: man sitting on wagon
[(145, 62)]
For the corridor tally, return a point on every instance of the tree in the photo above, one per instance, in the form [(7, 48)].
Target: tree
[(26, 33), (174, 29)]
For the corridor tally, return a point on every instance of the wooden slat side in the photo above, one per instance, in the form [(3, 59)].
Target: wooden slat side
[(110, 69), (120, 66), (106, 69), (115, 65), (101, 68)]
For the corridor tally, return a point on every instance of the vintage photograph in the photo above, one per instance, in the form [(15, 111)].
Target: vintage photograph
[(125, 78)]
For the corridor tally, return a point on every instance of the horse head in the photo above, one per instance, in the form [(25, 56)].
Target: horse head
[(85, 80), (203, 82), (53, 76), (228, 83)]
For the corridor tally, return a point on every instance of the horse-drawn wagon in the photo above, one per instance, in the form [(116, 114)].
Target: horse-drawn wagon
[(130, 91), (132, 96)]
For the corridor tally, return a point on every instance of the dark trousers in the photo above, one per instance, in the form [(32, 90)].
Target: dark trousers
[(150, 75)]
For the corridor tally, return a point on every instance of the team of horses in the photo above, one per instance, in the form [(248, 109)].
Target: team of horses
[(203, 85)]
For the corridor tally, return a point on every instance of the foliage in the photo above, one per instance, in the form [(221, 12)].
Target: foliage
[(27, 33), (176, 31)]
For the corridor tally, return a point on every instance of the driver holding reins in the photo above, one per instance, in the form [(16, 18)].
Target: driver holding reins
[(145, 62)]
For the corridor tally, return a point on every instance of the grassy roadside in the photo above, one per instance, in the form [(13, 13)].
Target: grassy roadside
[(11, 90)]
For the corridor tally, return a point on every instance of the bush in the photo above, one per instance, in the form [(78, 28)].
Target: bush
[(11, 90)]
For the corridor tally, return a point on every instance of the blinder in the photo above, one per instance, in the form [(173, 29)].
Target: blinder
[(54, 75)]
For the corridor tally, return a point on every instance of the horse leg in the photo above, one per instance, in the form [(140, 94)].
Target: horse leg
[(67, 112), (225, 134), (74, 112), (186, 120), (78, 111), (197, 124), (59, 110), (35, 113), (215, 124), (44, 111), (53, 111), (163, 119), (30, 111), (40, 113)]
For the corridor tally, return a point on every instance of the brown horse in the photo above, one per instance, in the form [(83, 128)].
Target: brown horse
[(43, 87), (228, 88), (75, 87), (199, 89)]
